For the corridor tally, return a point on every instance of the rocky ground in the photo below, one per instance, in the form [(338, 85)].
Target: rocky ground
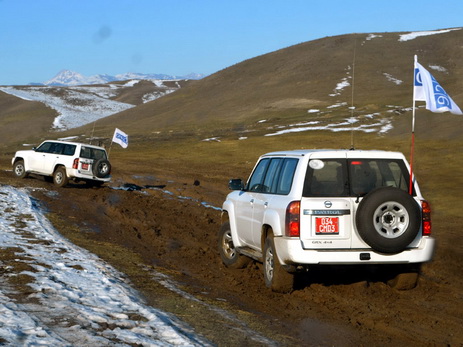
[(170, 226)]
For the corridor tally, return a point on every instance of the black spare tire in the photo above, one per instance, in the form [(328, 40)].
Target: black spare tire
[(101, 168), (388, 219)]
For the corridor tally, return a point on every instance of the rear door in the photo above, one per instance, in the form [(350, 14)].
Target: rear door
[(326, 207)]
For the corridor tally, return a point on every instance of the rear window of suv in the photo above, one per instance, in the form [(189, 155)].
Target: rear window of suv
[(273, 176), (354, 177), (92, 153)]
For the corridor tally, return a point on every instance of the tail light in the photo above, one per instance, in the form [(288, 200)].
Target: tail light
[(293, 222), (426, 217), (75, 164)]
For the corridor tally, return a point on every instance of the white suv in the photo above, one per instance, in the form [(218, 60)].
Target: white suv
[(63, 161), (327, 207)]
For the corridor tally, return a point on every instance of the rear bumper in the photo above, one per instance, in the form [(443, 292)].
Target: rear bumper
[(78, 174), (290, 252)]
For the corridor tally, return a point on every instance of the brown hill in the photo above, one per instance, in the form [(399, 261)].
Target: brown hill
[(281, 86)]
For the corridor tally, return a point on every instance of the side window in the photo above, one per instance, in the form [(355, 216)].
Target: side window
[(69, 149), (271, 177), (256, 181), (45, 147), (85, 152), (286, 176)]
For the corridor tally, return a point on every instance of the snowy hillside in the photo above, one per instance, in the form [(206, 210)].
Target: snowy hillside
[(78, 105), (71, 78)]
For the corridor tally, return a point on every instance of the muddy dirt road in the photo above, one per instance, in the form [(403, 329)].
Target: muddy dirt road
[(171, 225)]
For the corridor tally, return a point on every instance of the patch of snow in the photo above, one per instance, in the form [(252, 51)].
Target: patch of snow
[(74, 108), (242, 138), (372, 36), (156, 95), (338, 105), (414, 35), (312, 110), (262, 121), (392, 79), (131, 83), (75, 298), (438, 68), (216, 139)]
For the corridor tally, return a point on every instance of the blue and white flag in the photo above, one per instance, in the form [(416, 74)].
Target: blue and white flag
[(121, 138), (426, 88)]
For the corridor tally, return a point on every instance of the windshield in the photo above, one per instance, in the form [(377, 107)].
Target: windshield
[(354, 177)]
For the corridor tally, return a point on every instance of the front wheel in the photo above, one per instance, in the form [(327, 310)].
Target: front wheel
[(228, 253), (275, 276), (19, 170), (59, 177)]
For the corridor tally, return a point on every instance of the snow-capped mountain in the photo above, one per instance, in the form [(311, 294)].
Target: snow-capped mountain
[(72, 78)]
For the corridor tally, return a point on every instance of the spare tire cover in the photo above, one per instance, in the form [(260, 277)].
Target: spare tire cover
[(101, 168), (388, 219)]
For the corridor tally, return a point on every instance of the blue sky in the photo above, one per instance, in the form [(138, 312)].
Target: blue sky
[(39, 38)]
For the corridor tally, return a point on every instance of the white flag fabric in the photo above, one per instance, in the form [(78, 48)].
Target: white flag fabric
[(121, 138), (426, 88)]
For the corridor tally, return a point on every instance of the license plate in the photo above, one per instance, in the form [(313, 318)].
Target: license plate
[(84, 166), (326, 225)]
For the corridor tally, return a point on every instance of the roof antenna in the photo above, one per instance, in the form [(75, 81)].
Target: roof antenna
[(352, 108)]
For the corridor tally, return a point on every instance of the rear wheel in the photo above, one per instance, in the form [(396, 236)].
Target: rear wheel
[(102, 168), (19, 170), (275, 276), (230, 257), (59, 177)]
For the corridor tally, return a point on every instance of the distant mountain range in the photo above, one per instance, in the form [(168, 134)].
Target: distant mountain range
[(72, 78)]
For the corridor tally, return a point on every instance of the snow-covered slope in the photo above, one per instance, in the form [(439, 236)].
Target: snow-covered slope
[(74, 297), (71, 78)]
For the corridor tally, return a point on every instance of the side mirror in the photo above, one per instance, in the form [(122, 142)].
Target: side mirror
[(235, 184)]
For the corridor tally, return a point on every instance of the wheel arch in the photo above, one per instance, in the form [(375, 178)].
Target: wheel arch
[(228, 214)]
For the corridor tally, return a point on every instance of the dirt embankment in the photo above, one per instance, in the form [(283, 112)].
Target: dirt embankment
[(172, 226)]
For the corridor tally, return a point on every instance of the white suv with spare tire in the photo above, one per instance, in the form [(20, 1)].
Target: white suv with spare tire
[(308, 208), (63, 161)]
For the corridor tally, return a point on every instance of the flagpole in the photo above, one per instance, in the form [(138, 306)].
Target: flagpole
[(412, 150)]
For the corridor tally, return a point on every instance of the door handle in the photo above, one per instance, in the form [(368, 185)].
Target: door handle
[(266, 204), (251, 201)]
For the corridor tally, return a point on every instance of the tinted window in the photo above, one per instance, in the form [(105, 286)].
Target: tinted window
[(356, 177), (69, 149), (256, 181), (328, 178), (44, 147), (286, 176), (273, 176), (92, 153), (368, 174)]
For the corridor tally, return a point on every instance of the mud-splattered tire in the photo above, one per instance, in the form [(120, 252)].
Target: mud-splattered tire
[(388, 219), (229, 255), (60, 178), (102, 168), (19, 170), (275, 276)]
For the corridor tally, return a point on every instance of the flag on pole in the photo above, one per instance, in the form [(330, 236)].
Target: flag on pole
[(426, 88), (121, 138)]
